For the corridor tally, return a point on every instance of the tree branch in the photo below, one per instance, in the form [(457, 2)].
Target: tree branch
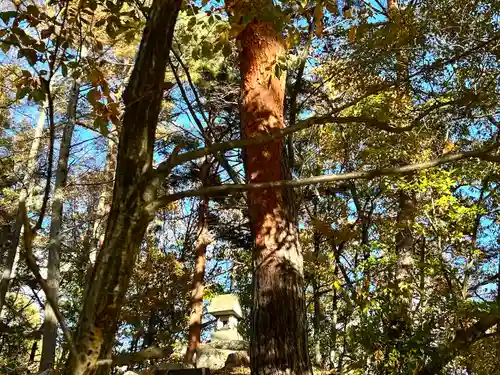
[(463, 339), (153, 352), (207, 138), (32, 265), (360, 175), (50, 157), (167, 165), (296, 88)]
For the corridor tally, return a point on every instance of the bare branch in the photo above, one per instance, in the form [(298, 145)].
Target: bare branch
[(360, 175), (276, 135), (206, 137)]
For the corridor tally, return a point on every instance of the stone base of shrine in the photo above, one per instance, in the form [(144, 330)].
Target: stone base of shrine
[(222, 354)]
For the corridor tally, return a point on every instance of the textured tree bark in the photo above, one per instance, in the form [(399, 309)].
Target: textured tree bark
[(50, 320), (128, 217), (279, 334), (202, 241), (10, 248), (96, 239), (333, 337), (316, 296), (407, 200), (103, 207), (404, 237)]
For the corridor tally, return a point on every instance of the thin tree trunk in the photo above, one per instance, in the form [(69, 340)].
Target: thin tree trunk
[(498, 290), (279, 332), (133, 191), (150, 335), (26, 191), (404, 237), (202, 241), (293, 108), (407, 202), (340, 365), (333, 347), (103, 208), (53, 266), (316, 297)]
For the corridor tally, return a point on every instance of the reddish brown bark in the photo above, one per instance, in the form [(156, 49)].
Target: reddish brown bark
[(279, 334), (202, 241)]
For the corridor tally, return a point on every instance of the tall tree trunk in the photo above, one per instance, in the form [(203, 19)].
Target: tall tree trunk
[(333, 337), (103, 208), (498, 289), (11, 247), (279, 333), (53, 266), (128, 218), (404, 236), (316, 296), (202, 241)]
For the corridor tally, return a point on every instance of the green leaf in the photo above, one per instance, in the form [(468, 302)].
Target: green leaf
[(47, 32), (100, 23), (6, 16), (5, 47), (218, 46), (40, 47), (192, 22), (186, 38), (227, 50), (64, 70), (33, 10), (110, 30), (277, 71), (29, 54), (195, 54), (206, 50), (38, 95), (92, 4), (22, 92)]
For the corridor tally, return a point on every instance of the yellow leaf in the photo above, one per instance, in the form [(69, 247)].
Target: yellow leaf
[(450, 146)]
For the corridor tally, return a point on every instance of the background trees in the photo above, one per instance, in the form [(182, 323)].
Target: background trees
[(382, 118)]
